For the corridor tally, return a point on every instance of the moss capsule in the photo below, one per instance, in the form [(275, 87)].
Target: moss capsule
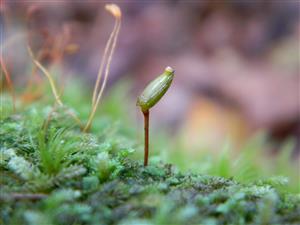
[(155, 90), (150, 96)]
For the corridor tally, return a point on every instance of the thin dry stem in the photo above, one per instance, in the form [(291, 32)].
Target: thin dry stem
[(48, 75), (33, 78), (9, 83), (104, 59), (116, 12), (53, 87)]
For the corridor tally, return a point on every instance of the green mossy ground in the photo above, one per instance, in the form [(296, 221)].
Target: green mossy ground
[(52, 173)]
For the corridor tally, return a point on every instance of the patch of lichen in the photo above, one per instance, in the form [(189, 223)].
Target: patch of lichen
[(56, 174)]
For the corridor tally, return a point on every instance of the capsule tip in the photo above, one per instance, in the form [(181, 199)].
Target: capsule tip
[(114, 10), (169, 69)]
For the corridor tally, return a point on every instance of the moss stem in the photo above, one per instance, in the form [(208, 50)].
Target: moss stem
[(146, 129)]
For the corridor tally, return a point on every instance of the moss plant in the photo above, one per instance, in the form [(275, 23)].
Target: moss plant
[(150, 96)]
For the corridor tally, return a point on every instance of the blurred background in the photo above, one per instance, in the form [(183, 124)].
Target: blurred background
[(236, 62)]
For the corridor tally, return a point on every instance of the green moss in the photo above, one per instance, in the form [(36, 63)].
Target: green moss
[(55, 174)]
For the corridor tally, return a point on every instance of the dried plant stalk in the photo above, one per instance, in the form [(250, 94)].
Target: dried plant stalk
[(48, 75), (103, 60), (110, 47), (53, 87), (9, 83)]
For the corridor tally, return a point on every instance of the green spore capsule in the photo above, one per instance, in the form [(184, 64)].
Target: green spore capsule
[(155, 90), (150, 96)]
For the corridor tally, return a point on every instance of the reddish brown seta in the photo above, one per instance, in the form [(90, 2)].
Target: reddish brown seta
[(146, 130)]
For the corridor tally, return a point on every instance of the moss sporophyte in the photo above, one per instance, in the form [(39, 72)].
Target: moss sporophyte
[(149, 97)]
